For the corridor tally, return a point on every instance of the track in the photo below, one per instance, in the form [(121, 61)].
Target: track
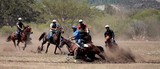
[(14, 58)]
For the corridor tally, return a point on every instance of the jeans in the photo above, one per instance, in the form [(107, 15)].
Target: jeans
[(51, 34), (18, 33)]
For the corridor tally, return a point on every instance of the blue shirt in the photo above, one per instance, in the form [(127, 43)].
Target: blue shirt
[(76, 35)]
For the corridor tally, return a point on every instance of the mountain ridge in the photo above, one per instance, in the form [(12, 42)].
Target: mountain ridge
[(139, 4)]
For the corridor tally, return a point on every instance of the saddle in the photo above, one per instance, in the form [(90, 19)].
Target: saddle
[(49, 37), (17, 34)]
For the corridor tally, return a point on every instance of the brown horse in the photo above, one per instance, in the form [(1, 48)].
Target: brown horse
[(24, 37), (78, 52), (55, 40)]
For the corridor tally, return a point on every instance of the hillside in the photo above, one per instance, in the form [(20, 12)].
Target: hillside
[(139, 4)]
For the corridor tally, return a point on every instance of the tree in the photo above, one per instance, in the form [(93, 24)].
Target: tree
[(10, 10), (67, 10)]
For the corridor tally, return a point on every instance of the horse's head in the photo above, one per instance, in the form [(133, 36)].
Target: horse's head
[(26, 32), (60, 29), (27, 29)]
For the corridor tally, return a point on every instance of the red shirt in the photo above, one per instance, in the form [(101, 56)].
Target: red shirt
[(83, 27)]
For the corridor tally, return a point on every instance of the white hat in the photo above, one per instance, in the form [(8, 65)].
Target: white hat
[(19, 18), (107, 26), (54, 20), (80, 20)]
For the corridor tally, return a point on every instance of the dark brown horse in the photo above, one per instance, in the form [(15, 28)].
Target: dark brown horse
[(55, 40), (78, 52), (24, 37)]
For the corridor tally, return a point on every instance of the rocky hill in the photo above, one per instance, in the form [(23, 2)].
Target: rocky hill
[(139, 4)]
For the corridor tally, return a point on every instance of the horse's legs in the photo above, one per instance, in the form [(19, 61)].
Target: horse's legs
[(47, 47), (14, 43), (25, 45), (98, 52), (55, 50), (18, 44), (57, 46), (102, 56), (44, 42), (60, 49), (75, 53)]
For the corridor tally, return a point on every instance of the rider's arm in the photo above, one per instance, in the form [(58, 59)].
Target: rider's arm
[(87, 30), (105, 34), (75, 34), (18, 26), (107, 37), (54, 28), (58, 26), (72, 38)]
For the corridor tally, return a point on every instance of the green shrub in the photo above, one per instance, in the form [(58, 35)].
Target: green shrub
[(6, 30), (146, 13)]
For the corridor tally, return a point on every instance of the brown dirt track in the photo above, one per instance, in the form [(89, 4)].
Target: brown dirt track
[(11, 58)]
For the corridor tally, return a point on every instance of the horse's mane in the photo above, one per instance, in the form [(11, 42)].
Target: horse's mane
[(26, 28)]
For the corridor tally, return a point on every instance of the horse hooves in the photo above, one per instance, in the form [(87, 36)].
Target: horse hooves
[(70, 54), (46, 52), (56, 53), (62, 53), (39, 52), (41, 49), (89, 60), (23, 48)]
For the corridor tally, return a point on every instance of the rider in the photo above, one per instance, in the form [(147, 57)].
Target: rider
[(109, 35), (20, 27), (53, 28), (83, 30), (76, 36)]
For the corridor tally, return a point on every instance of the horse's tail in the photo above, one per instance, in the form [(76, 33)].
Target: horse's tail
[(8, 38), (42, 35)]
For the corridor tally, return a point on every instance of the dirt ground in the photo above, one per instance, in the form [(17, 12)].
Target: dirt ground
[(12, 58)]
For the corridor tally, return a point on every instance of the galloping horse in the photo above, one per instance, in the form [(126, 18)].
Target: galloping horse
[(76, 51), (24, 37), (55, 40)]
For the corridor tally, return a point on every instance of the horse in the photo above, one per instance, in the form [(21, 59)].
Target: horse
[(24, 37), (78, 52), (55, 39)]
